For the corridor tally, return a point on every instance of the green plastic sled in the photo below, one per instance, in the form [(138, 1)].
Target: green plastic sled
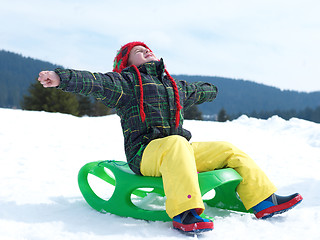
[(223, 181)]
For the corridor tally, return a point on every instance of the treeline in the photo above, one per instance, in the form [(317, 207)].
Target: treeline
[(54, 100)]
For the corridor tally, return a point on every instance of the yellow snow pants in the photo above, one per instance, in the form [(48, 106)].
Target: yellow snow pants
[(178, 162)]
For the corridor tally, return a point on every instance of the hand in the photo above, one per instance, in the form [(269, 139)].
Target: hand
[(49, 79)]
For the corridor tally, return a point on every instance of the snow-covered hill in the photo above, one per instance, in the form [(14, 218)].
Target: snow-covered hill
[(41, 154)]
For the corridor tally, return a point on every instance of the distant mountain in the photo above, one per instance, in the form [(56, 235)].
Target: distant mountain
[(18, 72), (16, 75), (237, 96)]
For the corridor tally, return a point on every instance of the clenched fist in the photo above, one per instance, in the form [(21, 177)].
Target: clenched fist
[(49, 79)]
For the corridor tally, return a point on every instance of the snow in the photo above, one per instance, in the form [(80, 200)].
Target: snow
[(41, 154)]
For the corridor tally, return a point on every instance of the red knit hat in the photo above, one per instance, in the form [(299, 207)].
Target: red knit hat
[(121, 62)]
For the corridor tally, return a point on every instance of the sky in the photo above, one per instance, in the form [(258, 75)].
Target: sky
[(274, 42)]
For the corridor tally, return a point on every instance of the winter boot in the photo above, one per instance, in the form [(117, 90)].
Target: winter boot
[(276, 205), (189, 221)]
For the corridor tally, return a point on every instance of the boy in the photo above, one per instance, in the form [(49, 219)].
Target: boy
[(151, 104)]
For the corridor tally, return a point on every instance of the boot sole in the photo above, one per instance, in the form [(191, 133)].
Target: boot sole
[(278, 209), (194, 227)]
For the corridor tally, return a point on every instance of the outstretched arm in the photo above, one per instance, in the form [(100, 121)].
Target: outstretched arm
[(197, 93), (111, 88), (49, 79)]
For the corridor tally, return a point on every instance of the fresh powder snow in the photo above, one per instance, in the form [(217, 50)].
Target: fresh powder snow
[(41, 154)]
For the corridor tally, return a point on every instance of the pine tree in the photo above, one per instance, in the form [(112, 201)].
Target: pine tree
[(85, 105), (50, 100), (99, 109), (193, 113), (222, 116)]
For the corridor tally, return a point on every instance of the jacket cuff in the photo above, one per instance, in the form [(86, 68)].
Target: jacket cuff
[(63, 79)]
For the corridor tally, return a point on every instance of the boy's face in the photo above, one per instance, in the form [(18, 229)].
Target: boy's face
[(140, 55)]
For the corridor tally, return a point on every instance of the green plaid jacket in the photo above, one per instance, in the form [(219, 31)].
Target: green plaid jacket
[(121, 91)]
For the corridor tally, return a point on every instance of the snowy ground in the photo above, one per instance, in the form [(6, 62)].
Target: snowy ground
[(41, 154)]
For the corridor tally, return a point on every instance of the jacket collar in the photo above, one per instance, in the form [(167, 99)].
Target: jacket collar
[(154, 68)]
